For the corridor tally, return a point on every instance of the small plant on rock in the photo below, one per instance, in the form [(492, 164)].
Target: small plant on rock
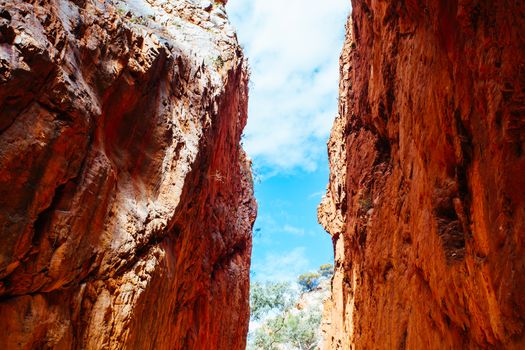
[(218, 62), (365, 203)]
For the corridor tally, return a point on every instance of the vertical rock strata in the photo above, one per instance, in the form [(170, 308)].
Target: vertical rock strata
[(426, 200), (126, 200)]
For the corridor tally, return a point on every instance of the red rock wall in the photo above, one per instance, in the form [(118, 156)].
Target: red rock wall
[(426, 201), (126, 200)]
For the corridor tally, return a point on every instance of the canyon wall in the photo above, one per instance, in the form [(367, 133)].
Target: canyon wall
[(126, 200), (426, 200)]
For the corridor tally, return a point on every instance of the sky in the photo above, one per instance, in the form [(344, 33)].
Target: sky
[(293, 49)]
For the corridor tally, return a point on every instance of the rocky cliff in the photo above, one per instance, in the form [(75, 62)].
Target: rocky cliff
[(426, 200), (126, 200)]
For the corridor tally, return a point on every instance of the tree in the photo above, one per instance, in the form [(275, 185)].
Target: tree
[(299, 329), (326, 270), (308, 281), (281, 318), (268, 296)]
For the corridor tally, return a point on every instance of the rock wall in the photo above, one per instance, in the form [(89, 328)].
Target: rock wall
[(426, 200), (126, 200)]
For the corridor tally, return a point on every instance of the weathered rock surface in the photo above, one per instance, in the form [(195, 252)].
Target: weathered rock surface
[(426, 200), (126, 200)]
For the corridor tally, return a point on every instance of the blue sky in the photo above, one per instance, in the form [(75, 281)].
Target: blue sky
[(293, 48)]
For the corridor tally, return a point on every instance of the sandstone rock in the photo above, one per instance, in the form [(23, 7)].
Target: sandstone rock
[(426, 200), (126, 200)]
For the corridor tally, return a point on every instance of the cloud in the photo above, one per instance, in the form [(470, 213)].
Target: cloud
[(293, 48), (318, 194), (268, 230), (296, 231), (281, 267)]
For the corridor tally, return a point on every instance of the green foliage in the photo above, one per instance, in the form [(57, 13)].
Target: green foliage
[(280, 319), (218, 62), (326, 270), (139, 20), (308, 281), (265, 297), (366, 203), (299, 329), (121, 12), (256, 175)]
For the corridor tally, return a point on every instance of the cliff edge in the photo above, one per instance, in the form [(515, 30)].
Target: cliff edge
[(426, 200), (127, 201)]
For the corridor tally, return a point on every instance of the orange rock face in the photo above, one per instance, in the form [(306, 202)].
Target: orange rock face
[(126, 200), (426, 201)]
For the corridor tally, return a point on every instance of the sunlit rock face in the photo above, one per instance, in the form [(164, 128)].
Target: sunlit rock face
[(426, 200), (126, 200)]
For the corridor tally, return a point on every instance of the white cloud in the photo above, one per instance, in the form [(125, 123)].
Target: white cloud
[(318, 194), (293, 48), (281, 267), (296, 231), (268, 230)]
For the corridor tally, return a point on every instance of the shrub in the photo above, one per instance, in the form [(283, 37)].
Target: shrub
[(326, 270), (299, 329), (308, 281), (265, 297), (365, 203), (218, 62)]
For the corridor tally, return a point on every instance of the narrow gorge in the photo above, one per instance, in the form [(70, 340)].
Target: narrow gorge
[(127, 200)]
